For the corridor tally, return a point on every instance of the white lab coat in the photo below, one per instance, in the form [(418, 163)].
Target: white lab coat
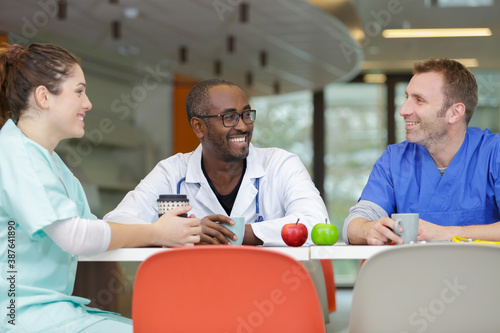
[(286, 193)]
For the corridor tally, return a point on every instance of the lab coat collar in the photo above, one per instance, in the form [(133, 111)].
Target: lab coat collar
[(254, 164), (248, 191), (195, 175), (246, 194)]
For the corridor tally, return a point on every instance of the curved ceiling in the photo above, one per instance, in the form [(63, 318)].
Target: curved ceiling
[(277, 46)]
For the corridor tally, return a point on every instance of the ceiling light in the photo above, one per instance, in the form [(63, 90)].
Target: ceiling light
[(276, 88), (469, 62), (230, 43), (116, 29), (62, 9), (131, 12), (357, 34), (408, 64), (243, 12), (263, 58), (128, 50), (249, 78), (459, 3), (428, 33), (183, 54), (374, 78), (217, 67)]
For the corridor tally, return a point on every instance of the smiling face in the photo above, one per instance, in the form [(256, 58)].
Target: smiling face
[(424, 111), (229, 144), (68, 108)]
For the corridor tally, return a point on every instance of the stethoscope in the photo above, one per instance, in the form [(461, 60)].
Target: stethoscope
[(258, 217)]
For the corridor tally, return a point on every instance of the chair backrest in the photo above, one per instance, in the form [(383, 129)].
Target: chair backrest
[(224, 289), (433, 287)]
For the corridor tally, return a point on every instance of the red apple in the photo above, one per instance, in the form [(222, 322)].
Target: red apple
[(294, 234)]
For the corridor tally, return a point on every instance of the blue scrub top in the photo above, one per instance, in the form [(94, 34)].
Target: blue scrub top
[(36, 190), (405, 179)]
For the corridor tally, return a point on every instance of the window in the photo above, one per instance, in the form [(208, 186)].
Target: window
[(488, 106), (355, 137), (285, 121)]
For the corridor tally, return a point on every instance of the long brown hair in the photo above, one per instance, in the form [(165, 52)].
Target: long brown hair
[(22, 71)]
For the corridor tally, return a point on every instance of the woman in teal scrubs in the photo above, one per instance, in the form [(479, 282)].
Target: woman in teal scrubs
[(45, 221)]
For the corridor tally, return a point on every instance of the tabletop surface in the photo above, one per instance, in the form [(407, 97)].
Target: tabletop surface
[(337, 251)]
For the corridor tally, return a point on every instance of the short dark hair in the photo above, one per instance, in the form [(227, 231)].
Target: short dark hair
[(198, 99), (459, 83)]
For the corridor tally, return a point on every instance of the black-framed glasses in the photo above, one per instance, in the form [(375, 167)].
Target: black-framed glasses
[(230, 119)]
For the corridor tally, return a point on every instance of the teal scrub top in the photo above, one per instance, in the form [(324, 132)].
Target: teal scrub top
[(36, 190)]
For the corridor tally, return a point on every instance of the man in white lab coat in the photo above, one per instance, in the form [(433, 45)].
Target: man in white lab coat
[(227, 176)]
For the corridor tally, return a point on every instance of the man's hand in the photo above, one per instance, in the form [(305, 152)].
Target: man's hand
[(250, 238), (430, 231), (173, 230), (379, 232), (213, 230)]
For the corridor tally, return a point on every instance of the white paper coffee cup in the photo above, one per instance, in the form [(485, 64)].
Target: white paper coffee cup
[(168, 202)]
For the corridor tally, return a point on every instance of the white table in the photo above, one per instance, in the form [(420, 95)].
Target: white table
[(343, 251), (337, 251), (140, 254)]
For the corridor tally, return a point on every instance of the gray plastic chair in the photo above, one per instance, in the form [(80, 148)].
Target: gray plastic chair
[(433, 287)]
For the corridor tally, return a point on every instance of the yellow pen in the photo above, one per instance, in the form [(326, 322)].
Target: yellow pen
[(468, 240)]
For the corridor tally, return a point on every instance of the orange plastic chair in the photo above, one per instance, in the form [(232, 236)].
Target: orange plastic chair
[(331, 288), (224, 289)]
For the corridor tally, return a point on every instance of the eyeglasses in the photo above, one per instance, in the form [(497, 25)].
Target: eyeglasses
[(231, 119)]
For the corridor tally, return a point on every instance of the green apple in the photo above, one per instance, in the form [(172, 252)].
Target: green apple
[(324, 234)]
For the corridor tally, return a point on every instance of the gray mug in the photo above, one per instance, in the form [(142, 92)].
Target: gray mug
[(409, 222)]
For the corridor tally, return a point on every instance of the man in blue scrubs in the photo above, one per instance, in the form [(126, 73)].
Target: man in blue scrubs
[(445, 171)]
